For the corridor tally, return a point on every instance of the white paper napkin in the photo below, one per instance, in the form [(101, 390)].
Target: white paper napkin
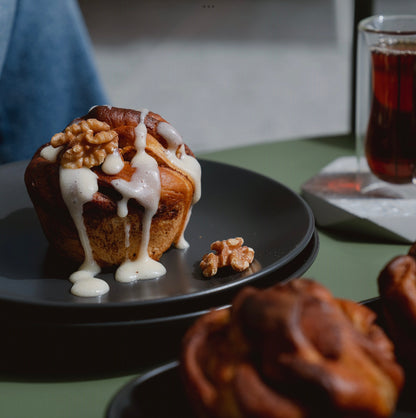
[(341, 198)]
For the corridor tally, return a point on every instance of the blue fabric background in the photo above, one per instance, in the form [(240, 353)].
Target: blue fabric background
[(47, 73)]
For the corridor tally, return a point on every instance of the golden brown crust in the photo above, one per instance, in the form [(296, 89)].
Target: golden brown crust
[(290, 351), (117, 117), (106, 230)]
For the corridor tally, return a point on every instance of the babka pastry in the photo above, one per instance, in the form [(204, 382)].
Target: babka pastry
[(397, 288), (115, 188), (291, 350)]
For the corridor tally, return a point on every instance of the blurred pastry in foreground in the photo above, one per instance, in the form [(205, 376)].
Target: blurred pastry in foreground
[(115, 188), (292, 350), (397, 288)]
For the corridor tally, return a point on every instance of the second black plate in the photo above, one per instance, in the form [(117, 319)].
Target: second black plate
[(136, 399)]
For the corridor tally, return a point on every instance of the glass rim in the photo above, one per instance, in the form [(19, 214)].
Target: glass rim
[(367, 24)]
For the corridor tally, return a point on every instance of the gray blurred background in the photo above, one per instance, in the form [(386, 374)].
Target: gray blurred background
[(231, 72)]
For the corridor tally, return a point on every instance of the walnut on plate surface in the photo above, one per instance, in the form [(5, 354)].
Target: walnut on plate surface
[(229, 252)]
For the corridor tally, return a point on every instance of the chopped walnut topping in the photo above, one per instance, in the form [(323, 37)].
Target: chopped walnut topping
[(230, 252), (87, 143)]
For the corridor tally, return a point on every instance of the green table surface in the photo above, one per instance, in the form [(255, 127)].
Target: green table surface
[(347, 265)]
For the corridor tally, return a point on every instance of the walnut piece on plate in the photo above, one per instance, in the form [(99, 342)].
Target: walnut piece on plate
[(229, 252)]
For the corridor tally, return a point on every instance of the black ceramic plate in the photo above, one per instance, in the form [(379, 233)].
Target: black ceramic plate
[(273, 220), (137, 398), (116, 346)]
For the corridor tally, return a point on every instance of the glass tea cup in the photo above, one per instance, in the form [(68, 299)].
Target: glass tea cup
[(386, 98)]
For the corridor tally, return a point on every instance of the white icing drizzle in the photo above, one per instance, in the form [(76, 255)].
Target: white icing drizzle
[(186, 163), (172, 136), (182, 243), (78, 187), (50, 153), (113, 163), (144, 187), (109, 107)]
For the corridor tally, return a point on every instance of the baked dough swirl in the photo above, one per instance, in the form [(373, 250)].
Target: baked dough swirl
[(397, 288), (105, 215), (292, 350)]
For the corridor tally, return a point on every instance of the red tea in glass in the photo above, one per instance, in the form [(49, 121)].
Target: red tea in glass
[(390, 145)]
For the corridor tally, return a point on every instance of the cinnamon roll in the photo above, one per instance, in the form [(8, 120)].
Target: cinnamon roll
[(115, 188), (397, 288), (292, 350)]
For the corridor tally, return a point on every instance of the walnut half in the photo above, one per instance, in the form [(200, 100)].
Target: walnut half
[(230, 252), (87, 143)]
